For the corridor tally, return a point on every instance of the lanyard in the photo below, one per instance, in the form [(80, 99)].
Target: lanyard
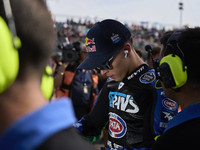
[(86, 74)]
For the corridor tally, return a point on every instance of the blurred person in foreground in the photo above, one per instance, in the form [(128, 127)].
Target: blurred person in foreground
[(127, 101), (180, 80), (27, 121)]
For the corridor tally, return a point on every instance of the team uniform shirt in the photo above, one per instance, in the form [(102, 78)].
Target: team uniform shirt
[(182, 131), (136, 111), (46, 128), (165, 109), (128, 105)]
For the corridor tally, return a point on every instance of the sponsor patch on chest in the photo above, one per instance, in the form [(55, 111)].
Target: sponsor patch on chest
[(169, 104), (117, 126), (168, 116), (123, 102)]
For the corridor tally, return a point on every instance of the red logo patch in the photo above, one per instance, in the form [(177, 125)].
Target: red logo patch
[(89, 41), (89, 47), (169, 104), (115, 126)]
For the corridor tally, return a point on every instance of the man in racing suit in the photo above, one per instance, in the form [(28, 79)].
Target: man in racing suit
[(128, 101)]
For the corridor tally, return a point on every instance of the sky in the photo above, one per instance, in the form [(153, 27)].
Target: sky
[(161, 12)]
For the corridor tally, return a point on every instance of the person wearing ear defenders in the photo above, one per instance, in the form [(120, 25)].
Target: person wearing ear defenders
[(27, 120), (179, 74), (127, 101)]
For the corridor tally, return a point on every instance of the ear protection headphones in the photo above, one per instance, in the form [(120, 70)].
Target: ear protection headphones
[(126, 52), (172, 68), (9, 58), (47, 82)]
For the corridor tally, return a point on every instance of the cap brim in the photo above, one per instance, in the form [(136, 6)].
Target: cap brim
[(92, 62)]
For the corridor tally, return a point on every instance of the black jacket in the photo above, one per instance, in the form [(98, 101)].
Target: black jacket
[(183, 131), (129, 107)]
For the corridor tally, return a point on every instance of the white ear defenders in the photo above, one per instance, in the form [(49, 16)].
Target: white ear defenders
[(126, 52)]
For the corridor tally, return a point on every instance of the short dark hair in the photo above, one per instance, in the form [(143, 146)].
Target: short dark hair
[(139, 51), (130, 41), (35, 29), (164, 39), (189, 43), (155, 50)]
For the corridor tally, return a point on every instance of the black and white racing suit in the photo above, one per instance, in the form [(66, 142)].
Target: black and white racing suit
[(128, 106)]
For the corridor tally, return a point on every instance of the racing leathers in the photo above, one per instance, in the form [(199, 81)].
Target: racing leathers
[(129, 108)]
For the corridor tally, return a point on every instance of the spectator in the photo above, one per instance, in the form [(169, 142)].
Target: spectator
[(180, 80), (141, 35), (57, 58), (78, 84), (28, 122), (155, 54), (101, 78), (139, 52)]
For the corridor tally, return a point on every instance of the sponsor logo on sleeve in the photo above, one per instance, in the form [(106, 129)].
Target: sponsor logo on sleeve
[(117, 126), (147, 78)]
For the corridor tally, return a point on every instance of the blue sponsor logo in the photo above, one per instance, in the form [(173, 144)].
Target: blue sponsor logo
[(123, 102), (147, 77)]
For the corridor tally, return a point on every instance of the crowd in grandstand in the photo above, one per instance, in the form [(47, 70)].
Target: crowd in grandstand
[(76, 31)]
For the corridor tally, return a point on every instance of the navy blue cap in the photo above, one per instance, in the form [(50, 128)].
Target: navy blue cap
[(102, 40)]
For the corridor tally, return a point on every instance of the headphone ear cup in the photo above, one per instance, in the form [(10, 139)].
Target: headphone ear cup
[(9, 58), (47, 83), (171, 71), (166, 75)]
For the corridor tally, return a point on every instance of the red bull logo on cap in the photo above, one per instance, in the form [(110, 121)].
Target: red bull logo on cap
[(89, 42)]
